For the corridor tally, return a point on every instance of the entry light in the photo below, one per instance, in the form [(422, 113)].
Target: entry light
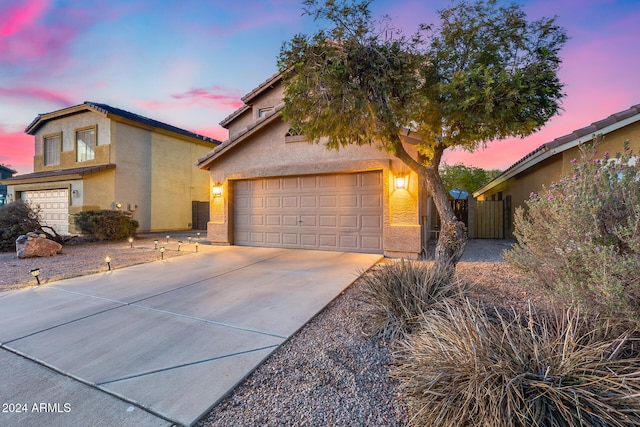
[(216, 190), (161, 252), (107, 259), (400, 182), (35, 272)]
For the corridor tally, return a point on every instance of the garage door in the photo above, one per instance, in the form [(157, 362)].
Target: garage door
[(54, 207), (341, 212)]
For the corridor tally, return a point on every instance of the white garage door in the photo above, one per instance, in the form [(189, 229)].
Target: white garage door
[(54, 207), (341, 212)]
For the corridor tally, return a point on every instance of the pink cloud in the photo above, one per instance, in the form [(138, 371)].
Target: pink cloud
[(218, 133), (53, 97), (16, 150), (19, 16), (216, 95)]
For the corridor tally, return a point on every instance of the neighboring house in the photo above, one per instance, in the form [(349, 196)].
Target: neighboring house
[(552, 161), (5, 172), (271, 187), (93, 156)]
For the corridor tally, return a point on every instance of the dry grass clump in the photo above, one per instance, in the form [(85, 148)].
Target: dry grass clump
[(471, 367), (399, 293)]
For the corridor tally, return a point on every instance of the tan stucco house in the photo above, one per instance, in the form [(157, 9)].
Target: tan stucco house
[(94, 156), (271, 187), (552, 161)]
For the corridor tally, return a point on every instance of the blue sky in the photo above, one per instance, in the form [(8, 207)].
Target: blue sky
[(188, 63)]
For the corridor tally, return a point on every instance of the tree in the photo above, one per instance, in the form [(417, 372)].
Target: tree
[(467, 178), (484, 73)]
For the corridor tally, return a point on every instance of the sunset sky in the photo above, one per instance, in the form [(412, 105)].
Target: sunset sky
[(188, 63)]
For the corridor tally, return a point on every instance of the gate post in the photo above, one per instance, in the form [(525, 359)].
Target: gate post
[(471, 223)]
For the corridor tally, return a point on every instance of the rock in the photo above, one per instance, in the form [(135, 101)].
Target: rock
[(34, 245)]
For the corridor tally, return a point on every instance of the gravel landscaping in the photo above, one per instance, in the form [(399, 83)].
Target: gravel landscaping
[(329, 373)]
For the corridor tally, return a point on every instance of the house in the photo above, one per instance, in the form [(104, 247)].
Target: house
[(552, 161), (94, 156), (273, 188), (5, 172)]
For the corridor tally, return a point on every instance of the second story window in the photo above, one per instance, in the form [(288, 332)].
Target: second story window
[(85, 144), (264, 111), (51, 150)]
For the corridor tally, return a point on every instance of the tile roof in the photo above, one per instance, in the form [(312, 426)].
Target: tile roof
[(267, 84), (83, 171), (565, 142), (109, 110)]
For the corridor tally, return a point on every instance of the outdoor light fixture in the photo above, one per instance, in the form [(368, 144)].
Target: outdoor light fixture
[(75, 193), (35, 272), (216, 190), (155, 244), (400, 182), (198, 234), (107, 259), (189, 239), (179, 244), (131, 242), (168, 238), (161, 252), (196, 246), (10, 197)]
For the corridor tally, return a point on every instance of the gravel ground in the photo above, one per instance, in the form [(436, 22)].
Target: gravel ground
[(329, 373)]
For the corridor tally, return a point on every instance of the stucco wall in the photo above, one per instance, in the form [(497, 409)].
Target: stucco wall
[(266, 154)]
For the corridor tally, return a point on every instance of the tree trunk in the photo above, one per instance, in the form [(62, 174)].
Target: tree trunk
[(453, 238)]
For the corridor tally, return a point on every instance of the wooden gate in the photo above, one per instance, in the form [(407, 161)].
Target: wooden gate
[(489, 219)]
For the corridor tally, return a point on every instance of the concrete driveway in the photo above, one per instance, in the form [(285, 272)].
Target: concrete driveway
[(160, 343)]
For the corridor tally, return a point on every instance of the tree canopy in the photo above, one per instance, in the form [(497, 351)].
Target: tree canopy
[(467, 178)]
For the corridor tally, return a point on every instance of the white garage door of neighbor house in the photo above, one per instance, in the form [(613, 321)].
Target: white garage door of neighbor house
[(340, 212), (54, 207)]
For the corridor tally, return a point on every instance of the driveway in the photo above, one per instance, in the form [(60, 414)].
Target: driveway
[(158, 343)]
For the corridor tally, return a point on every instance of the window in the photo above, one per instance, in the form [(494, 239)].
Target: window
[(264, 111), (85, 144), (51, 150)]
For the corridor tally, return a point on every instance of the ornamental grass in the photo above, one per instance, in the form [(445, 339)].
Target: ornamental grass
[(469, 366)]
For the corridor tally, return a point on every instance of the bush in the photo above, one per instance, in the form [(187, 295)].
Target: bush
[(398, 293), (16, 218), (106, 224), (580, 237), (467, 367)]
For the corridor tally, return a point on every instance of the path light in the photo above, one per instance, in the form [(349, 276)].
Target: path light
[(196, 246), (179, 244), (107, 259), (168, 238), (131, 242), (162, 252), (155, 244), (189, 239), (35, 272)]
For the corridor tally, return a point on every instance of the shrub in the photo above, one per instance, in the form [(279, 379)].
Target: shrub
[(580, 237), (106, 224), (467, 367), (16, 218), (398, 293)]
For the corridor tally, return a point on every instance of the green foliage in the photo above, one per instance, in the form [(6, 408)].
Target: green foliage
[(16, 218), (484, 72), (470, 367), (106, 224), (580, 237), (398, 293), (466, 178)]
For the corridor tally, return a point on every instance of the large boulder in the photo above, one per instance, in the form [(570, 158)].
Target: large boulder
[(32, 245)]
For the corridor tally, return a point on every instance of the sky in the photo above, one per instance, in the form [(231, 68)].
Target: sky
[(188, 63)]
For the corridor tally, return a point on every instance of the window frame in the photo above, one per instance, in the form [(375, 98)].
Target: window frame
[(85, 158), (45, 152)]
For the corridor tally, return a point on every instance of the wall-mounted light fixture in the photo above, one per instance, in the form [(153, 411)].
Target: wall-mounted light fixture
[(117, 205), (400, 182), (107, 259), (75, 193), (10, 197), (216, 190), (35, 272)]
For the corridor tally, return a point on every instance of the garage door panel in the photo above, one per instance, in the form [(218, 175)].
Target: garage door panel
[(328, 212), (53, 206)]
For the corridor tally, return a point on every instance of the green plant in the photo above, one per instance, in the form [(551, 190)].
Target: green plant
[(106, 224), (16, 218), (580, 237), (398, 293), (470, 367)]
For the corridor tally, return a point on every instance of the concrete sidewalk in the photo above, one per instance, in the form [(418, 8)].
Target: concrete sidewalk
[(158, 343)]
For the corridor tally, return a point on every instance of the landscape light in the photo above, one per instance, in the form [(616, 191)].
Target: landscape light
[(168, 238), (35, 272), (196, 246), (198, 234), (161, 252), (131, 242), (179, 244), (107, 259), (155, 244), (189, 239)]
